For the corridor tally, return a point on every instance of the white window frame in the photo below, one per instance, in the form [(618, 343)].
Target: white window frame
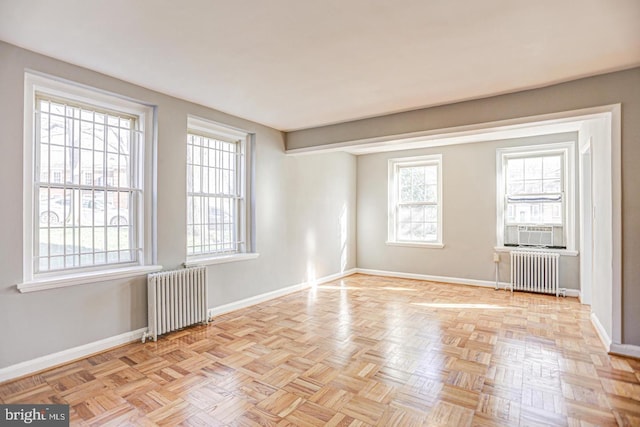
[(246, 175), (144, 218), (567, 150), (393, 188)]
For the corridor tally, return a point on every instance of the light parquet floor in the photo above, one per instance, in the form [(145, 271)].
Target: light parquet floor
[(359, 351)]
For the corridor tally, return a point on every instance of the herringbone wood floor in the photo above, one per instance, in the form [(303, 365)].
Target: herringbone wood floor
[(360, 351)]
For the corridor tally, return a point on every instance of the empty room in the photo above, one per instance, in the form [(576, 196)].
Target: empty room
[(340, 213)]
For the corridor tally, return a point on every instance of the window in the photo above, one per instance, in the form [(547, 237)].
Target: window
[(415, 201), (84, 181), (535, 196), (217, 206)]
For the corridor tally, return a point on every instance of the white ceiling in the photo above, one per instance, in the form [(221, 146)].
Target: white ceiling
[(294, 64)]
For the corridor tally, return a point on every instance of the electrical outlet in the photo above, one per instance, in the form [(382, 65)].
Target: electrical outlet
[(496, 257)]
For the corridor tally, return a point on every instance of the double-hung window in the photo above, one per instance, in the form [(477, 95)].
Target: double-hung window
[(218, 209), (415, 201), (535, 196), (85, 183)]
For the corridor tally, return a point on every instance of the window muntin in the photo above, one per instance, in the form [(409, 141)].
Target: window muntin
[(215, 195), (415, 200), (86, 187)]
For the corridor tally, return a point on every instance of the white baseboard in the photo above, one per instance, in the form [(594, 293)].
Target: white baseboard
[(257, 299), (573, 293), (626, 350), (602, 334), (446, 279), (65, 356)]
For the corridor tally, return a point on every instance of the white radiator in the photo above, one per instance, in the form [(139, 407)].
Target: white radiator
[(535, 272), (177, 299)]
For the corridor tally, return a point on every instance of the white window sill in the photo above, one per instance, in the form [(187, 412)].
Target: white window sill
[(563, 252), (220, 259), (61, 281), (417, 245)]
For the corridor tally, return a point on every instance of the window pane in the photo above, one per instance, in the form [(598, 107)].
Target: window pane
[(552, 213), (515, 169), (404, 232), (418, 184), (552, 186), (86, 132), (518, 213), (417, 231), (44, 163), (533, 168), (418, 214), (533, 187), (197, 178), (431, 174), (431, 232), (552, 166), (431, 194), (55, 263), (56, 130), (98, 133), (431, 213), (123, 170), (515, 187), (56, 241), (404, 214), (406, 194)]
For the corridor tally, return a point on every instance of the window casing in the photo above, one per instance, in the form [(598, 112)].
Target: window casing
[(218, 209), (535, 196), (415, 201), (86, 208)]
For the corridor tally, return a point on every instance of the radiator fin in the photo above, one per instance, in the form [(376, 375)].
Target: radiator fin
[(176, 299)]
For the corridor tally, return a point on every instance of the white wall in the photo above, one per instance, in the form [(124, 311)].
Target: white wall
[(469, 215), (294, 197), (320, 186)]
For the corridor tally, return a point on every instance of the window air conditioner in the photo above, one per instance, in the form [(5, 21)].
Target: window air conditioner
[(535, 235)]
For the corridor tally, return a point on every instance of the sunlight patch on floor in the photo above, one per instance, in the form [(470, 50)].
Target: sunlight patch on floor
[(457, 305)]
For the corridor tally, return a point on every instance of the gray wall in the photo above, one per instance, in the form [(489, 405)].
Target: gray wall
[(40, 323), (469, 215), (620, 87)]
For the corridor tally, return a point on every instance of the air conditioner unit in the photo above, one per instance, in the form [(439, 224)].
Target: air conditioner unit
[(535, 235)]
